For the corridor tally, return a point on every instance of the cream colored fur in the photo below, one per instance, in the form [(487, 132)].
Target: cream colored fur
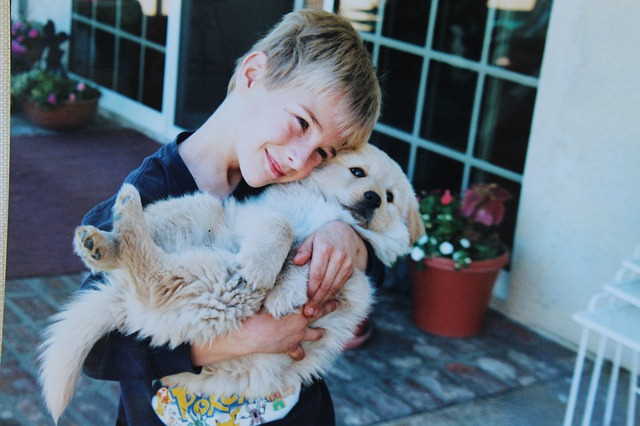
[(192, 268)]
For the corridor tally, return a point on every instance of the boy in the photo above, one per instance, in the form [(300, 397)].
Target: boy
[(301, 94)]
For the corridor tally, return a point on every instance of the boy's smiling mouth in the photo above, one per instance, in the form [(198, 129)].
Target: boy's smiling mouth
[(276, 170)]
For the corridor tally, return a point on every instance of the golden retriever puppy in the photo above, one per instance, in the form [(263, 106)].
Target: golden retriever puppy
[(203, 265)]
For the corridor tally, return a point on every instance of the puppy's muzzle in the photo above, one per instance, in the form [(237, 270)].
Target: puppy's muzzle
[(364, 209)]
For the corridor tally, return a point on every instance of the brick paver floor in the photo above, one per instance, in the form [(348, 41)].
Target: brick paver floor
[(401, 371)]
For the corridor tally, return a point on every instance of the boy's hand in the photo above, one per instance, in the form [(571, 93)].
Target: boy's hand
[(262, 333), (334, 250)]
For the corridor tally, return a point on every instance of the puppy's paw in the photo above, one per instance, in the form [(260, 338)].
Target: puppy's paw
[(127, 208), (97, 249)]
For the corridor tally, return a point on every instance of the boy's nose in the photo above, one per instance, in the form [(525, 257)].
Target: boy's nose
[(299, 154)]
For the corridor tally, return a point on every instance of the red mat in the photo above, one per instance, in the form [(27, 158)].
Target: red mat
[(54, 180)]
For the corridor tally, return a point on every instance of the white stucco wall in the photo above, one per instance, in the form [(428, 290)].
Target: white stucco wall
[(580, 206), (59, 11)]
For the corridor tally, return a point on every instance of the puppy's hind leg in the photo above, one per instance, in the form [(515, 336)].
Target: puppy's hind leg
[(97, 249), (137, 251)]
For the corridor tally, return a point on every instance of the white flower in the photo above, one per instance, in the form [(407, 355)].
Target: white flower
[(423, 240), (417, 254), (446, 248), (433, 241), (426, 216), (465, 243)]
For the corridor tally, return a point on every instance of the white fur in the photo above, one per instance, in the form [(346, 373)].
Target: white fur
[(192, 268)]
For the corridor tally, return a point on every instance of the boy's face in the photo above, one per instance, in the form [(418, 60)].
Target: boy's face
[(285, 133)]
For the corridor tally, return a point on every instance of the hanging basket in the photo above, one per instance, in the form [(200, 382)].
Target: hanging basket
[(450, 302), (67, 116)]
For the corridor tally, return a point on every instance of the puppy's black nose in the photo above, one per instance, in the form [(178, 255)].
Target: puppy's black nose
[(372, 200)]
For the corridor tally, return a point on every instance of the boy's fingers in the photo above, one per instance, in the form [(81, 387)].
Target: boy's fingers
[(297, 354), (304, 252), (313, 334), (326, 308), (323, 289), (316, 276)]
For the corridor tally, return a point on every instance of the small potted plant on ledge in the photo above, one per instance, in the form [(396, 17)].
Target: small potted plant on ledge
[(456, 263), (48, 97)]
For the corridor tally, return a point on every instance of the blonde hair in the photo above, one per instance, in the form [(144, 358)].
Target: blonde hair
[(322, 51)]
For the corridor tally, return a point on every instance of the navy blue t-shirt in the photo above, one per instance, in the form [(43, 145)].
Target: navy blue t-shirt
[(136, 364)]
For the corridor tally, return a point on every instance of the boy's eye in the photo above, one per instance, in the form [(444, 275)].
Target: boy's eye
[(357, 172), (389, 197), (322, 153), (303, 123)]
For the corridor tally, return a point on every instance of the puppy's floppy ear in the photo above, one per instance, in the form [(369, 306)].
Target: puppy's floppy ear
[(416, 226)]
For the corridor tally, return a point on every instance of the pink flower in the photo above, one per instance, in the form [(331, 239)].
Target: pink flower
[(17, 26), (34, 33), (446, 198), (52, 99), (485, 204), (80, 87), (17, 48), (72, 97), (20, 38)]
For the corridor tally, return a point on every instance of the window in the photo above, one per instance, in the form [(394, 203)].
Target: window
[(121, 45), (459, 84)]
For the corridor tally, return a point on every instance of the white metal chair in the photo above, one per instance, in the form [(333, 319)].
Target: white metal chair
[(613, 314)]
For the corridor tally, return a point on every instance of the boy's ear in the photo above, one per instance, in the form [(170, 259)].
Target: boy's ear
[(253, 68)]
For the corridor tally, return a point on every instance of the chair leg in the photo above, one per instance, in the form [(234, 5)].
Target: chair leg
[(595, 378), (577, 375), (633, 391), (613, 384)]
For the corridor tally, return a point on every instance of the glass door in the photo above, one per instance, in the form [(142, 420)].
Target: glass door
[(213, 35)]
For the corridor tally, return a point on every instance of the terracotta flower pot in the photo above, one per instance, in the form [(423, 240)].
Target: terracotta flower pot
[(66, 116), (453, 303)]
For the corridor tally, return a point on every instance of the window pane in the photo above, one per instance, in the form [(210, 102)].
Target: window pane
[(157, 29), (406, 20), (505, 122), (460, 27), (519, 37), (508, 226), (399, 77), (396, 148), (106, 12), (214, 35), (79, 49), (434, 171), (448, 105), (153, 76), (83, 7), (362, 15), (104, 54), (128, 68), (131, 17)]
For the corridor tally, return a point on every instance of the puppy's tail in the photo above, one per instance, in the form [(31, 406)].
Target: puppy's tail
[(68, 340)]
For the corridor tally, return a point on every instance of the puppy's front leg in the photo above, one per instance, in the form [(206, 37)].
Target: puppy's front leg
[(265, 241)]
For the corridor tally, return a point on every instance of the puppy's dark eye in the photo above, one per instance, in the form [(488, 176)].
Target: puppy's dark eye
[(357, 172), (389, 197)]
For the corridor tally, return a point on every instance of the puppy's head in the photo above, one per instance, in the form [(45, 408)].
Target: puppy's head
[(377, 193)]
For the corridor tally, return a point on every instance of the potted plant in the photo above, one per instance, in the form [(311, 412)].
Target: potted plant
[(456, 263), (27, 43), (50, 98)]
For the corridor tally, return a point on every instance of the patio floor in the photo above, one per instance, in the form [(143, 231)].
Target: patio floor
[(507, 376)]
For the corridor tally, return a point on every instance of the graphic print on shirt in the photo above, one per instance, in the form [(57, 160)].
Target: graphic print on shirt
[(177, 407)]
